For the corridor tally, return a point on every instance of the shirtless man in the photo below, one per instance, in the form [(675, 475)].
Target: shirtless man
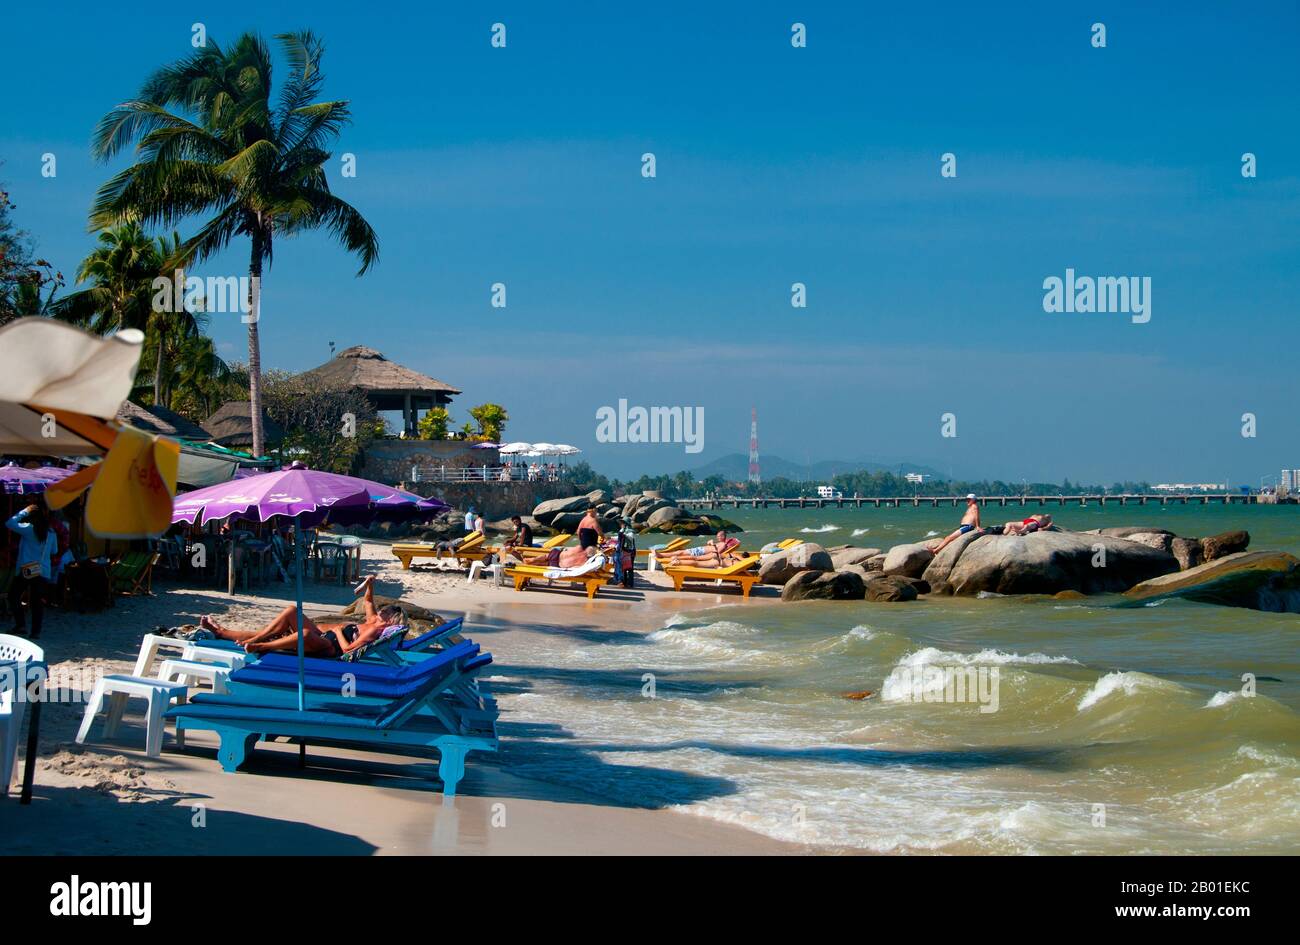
[(718, 553), (329, 642), (970, 522)]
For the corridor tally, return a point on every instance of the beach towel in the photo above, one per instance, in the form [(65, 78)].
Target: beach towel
[(594, 563)]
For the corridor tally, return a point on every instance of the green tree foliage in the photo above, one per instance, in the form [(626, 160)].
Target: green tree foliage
[(210, 141), (433, 425), (27, 285), (491, 420), (314, 418)]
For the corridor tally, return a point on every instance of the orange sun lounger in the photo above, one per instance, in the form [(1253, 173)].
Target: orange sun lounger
[(523, 574), (471, 549), (742, 573)]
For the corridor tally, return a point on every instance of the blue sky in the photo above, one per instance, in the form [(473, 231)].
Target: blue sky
[(775, 165)]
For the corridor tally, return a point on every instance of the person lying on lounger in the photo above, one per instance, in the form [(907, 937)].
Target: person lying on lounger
[(329, 641), (721, 552), (448, 548)]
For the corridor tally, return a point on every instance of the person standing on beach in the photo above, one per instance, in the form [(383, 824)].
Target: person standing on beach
[(969, 522), (37, 546), (590, 533), (473, 521)]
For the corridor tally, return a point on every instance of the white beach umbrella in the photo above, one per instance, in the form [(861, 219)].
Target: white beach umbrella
[(544, 449), (564, 449), (511, 449)]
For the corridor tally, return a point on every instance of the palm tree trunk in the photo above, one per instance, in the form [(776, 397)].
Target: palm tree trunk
[(157, 372), (254, 346)]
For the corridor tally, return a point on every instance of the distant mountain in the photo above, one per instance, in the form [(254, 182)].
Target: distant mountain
[(734, 467)]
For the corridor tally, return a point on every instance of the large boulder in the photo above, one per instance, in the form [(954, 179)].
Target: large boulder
[(597, 497), (780, 566), (1051, 561), (824, 585), (567, 521), (546, 511), (891, 588), (941, 565), (846, 556), (1224, 544), (1162, 541), (418, 619), (1260, 580), (665, 516), (1125, 531), (910, 560), (876, 562), (1187, 551)]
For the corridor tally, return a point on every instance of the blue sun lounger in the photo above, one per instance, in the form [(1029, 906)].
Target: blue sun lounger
[(454, 701), (396, 724)]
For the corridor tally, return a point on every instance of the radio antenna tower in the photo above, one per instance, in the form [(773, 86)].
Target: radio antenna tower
[(754, 475)]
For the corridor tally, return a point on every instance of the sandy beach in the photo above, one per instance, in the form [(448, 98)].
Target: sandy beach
[(108, 798)]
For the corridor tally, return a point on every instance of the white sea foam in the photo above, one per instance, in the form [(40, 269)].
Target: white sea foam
[(898, 684), (1128, 684), (931, 533), (859, 532), (821, 530), (1222, 699)]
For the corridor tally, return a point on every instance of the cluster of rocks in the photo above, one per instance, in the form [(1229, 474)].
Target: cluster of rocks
[(1144, 562), (647, 512)]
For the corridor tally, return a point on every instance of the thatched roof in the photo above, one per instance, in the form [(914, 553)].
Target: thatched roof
[(232, 425), (366, 369), (160, 420)]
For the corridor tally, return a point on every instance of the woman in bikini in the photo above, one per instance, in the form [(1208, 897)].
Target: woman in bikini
[(330, 641), (719, 553)]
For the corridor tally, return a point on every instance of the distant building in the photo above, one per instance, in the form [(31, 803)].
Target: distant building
[(916, 477), (1290, 480), (1191, 487), (829, 492)]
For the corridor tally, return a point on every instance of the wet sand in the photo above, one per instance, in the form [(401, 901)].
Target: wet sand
[(108, 798)]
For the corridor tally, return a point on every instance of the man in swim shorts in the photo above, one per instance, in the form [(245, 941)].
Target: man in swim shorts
[(970, 522)]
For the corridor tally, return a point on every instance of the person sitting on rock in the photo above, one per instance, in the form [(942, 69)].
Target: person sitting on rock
[(970, 522), (721, 552), (1027, 526)]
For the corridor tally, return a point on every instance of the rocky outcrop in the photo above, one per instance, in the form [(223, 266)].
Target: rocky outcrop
[(844, 556), (1161, 541), (1224, 544), (648, 513), (780, 566), (909, 560), (1260, 580), (824, 585), (891, 588), (1052, 561), (941, 565), (1187, 551)]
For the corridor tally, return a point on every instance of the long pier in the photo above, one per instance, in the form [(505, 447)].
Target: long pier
[(935, 501)]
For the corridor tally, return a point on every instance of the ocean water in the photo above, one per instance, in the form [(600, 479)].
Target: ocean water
[(1115, 731)]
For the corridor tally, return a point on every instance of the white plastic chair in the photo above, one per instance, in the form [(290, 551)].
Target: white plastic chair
[(12, 707)]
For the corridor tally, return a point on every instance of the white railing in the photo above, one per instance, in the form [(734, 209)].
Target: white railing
[(487, 473)]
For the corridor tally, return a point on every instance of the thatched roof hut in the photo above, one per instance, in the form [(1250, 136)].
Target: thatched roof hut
[(388, 385), (232, 425), (161, 420)]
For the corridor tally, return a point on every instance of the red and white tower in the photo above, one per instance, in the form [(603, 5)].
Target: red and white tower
[(754, 475)]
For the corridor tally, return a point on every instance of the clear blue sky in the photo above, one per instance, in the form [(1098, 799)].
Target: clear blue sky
[(775, 165)]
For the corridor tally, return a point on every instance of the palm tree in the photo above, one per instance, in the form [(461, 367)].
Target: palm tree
[(254, 169)]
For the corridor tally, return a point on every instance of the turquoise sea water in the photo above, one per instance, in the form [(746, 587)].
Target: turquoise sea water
[(1116, 730)]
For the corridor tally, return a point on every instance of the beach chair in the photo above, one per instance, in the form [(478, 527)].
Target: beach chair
[(677, 544), (471, 549), (594, 575), (741, 573), (395, 725), (132, 573), (16, 656)]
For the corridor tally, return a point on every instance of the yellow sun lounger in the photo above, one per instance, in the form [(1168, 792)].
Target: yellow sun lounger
[(471, 549), (677, 544), (742, 573), (592, 581)]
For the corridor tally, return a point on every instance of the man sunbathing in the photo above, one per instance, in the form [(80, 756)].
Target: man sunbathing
[(970, 522), (721, 552), (328, 642)]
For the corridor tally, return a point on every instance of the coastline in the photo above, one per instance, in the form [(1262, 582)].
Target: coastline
[(107, 798)]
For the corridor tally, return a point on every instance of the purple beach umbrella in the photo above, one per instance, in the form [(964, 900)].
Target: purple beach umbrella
[(18, 480)]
